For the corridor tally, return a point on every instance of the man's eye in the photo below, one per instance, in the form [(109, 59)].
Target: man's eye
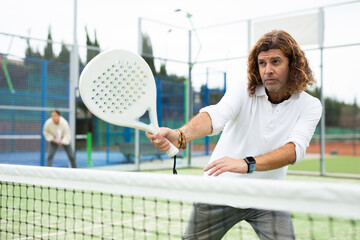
[(261, 63)]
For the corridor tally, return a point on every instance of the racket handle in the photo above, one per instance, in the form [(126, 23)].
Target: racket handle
[(172, 150)]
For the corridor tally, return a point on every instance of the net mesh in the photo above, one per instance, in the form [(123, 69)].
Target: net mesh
[(52, 203), (38, 212)]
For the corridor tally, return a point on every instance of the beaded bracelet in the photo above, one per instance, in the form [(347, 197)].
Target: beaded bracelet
[(181, 139), (183, 142)]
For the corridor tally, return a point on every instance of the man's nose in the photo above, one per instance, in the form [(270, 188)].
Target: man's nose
[(269, 69)]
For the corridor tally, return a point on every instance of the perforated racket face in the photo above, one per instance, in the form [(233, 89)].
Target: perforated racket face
[(118, 87)]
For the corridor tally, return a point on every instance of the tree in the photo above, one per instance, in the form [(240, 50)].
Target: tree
[(48, 51), (93, 48), (64, 55), (87, 123), (31, 54), (163, 71), (29, 51), (147, 52)]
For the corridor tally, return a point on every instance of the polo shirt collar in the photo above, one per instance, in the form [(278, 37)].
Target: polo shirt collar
[(260, 91)]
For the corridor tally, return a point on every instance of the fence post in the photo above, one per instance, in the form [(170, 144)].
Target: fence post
[(322, 99), (159, 100), (89, 148), (354, 127), (107, 139), (43, 78), (207, 101)]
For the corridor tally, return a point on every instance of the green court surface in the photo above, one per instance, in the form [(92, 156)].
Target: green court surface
[(312, 168), (333, 164)]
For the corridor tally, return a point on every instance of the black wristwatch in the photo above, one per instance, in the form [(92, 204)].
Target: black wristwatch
[(251, 164)]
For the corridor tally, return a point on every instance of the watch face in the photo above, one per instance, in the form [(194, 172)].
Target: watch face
[(250, 160)]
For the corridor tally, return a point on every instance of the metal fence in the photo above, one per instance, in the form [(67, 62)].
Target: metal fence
[(35, 83), (32, 87), (37, 87)]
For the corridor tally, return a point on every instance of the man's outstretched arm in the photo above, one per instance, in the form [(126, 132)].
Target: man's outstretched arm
[(198, 127)]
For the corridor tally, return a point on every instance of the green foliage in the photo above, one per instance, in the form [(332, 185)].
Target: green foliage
[(30, 53), (48, 51), (147, 55), (93, 47), (147, 51), (172, 78), (163, 75), (163, 71), (336, 112), (215, 95), (64, 55)]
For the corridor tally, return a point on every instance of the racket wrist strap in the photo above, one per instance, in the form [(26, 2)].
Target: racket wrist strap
[(174, 167), (181, 139)]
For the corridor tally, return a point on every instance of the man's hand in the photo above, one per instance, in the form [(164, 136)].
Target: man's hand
[(226, 164), (56, 142), (162, 138)]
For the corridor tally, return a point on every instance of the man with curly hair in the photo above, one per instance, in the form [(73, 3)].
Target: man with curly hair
[(266, 125)]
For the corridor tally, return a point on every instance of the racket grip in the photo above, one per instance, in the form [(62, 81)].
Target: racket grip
[(172, 150)]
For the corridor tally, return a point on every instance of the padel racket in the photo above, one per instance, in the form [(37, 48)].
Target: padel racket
[(118, 87)]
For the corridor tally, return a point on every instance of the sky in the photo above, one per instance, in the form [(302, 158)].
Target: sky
[(116, 26)]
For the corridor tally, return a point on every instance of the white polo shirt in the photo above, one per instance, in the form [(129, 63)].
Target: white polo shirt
[(60, 132), (252, 126)]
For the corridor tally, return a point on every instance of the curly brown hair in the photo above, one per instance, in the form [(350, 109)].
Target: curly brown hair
[(300, 74)]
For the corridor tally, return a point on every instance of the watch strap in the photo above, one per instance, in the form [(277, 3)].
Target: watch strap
[(251, 164)]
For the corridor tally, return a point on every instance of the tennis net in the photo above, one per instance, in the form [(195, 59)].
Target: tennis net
[(60, 203)]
